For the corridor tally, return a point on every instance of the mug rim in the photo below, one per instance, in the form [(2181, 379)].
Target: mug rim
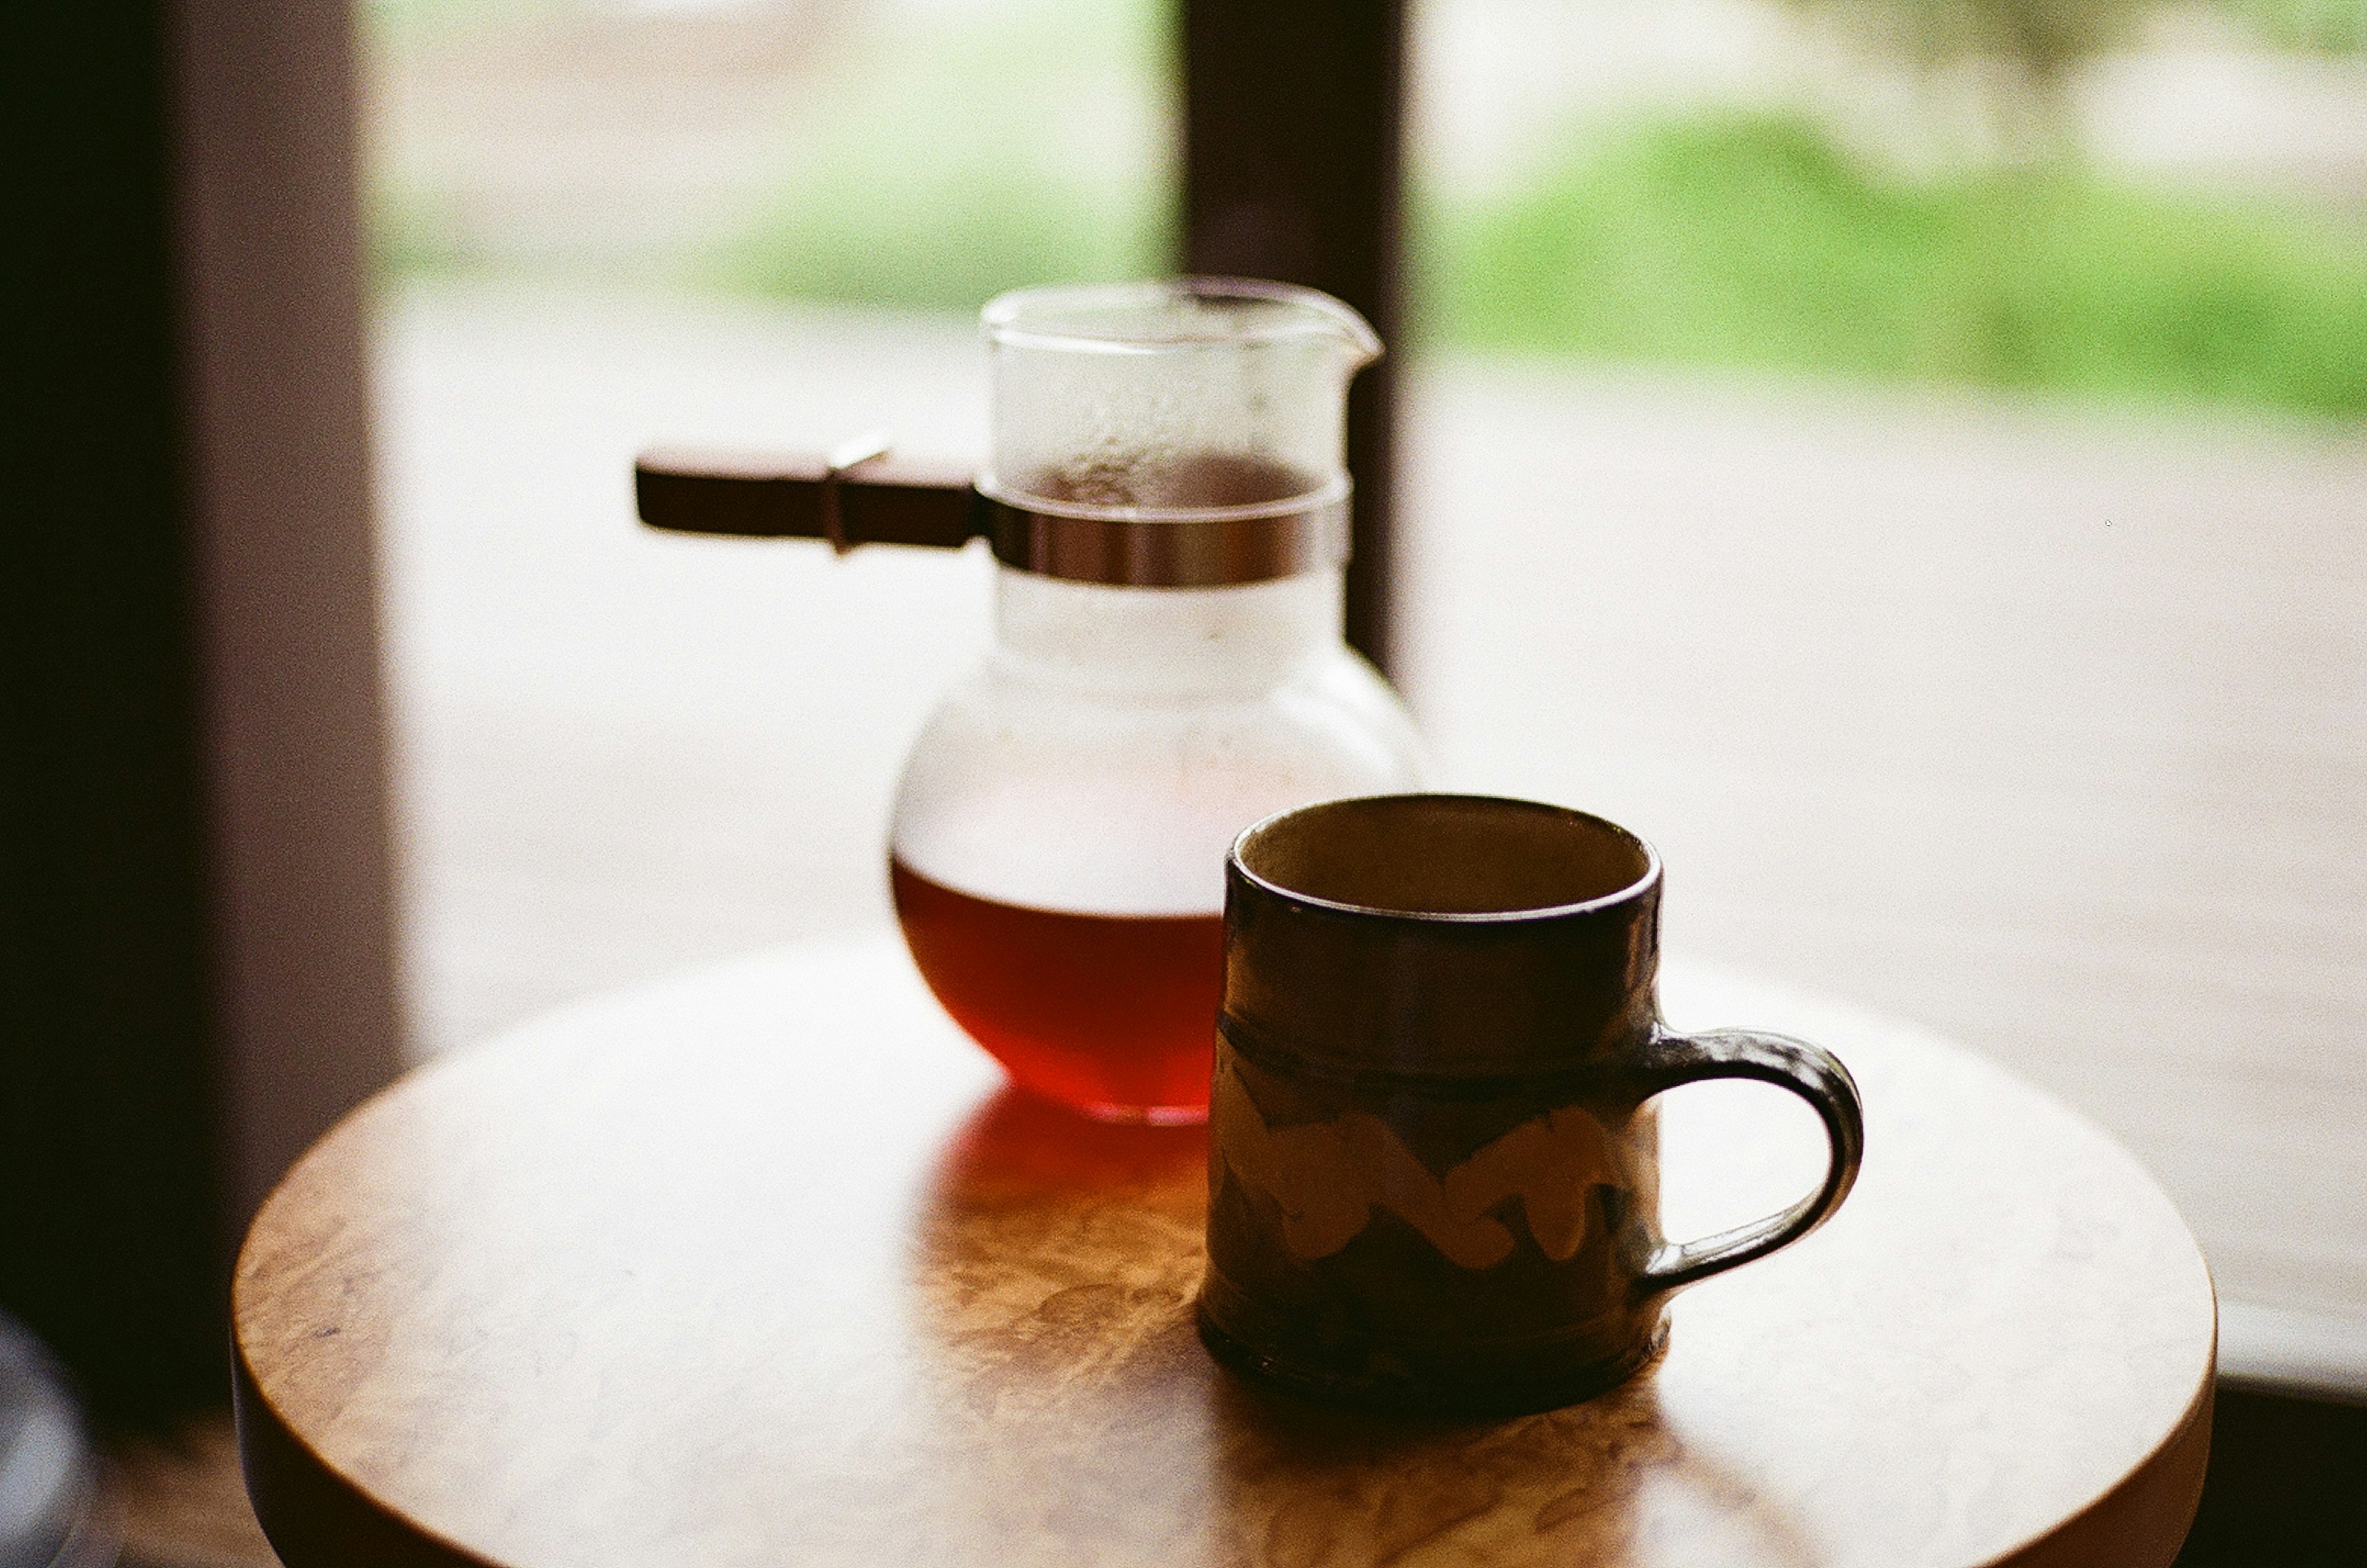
[(1643, 883)]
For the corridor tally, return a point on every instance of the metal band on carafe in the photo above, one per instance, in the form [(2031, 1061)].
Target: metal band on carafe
[(879, 499), (1246, 543)]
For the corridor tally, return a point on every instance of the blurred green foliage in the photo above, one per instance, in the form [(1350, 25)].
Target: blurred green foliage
[(950, 238), (398, 22), (1754, 241), (2330, 27), (939, 183), (2042, 39), (967, 154), (2032, 49), (971, 154)]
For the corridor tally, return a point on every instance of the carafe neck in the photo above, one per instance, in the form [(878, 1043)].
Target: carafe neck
[(1172, 642)]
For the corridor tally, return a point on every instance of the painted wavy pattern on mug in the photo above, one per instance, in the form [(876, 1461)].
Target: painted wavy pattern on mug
[(1328, 1177)]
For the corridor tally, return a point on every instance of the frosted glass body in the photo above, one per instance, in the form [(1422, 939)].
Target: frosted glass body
[(1114, 742)]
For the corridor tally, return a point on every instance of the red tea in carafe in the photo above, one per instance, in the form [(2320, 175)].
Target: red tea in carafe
[(1113, 1014)]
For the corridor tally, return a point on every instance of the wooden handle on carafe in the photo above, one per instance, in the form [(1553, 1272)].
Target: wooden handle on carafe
[(873, 499)]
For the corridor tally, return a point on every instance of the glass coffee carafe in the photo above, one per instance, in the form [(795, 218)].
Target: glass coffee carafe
[(1168, 506)]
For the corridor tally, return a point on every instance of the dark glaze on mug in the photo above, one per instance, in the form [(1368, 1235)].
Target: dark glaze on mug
[(1433, 1165)]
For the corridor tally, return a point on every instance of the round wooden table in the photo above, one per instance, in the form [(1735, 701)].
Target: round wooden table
[(763, 1267)]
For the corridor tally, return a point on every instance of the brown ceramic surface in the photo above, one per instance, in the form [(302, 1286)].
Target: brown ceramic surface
[(757, 1267), (1433, 1175)]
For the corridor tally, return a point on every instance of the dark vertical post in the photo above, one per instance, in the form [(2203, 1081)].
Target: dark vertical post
[(1293, 114), (110, 1218), (195, 922)]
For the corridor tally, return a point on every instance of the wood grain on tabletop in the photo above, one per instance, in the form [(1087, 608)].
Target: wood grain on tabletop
[(761, 1265)]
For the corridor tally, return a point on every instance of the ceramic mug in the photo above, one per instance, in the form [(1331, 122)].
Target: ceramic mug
[(1434, 1160)]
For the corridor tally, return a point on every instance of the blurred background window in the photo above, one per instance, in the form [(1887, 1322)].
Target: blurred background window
[(1904, 455)]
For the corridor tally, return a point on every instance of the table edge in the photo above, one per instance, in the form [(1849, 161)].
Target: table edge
[(313, 1516), (2151, 1510)]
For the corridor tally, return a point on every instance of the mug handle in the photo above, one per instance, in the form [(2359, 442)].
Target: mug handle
[(1807, 1071)]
